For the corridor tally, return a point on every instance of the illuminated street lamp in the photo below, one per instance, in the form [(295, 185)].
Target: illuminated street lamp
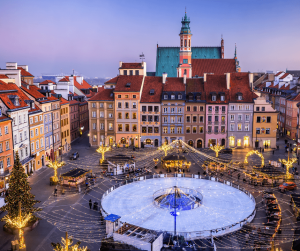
[(288, 163), (103, 149), (55, 165), (19, 222), (217, 148)]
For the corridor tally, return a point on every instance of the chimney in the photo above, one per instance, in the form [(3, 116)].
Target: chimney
[(120, 64), (251, 81), (184, 79), (228, 80), (11, 66), (164, 77), (204, 77)]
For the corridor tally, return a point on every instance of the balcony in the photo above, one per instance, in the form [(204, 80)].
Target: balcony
[(223, 111), (209, 122)]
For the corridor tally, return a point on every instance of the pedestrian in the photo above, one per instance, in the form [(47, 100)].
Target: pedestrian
[(273, 152), (90, 203), (55, 191), (247, 237)]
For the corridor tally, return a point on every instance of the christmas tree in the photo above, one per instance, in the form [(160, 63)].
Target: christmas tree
[(19, 190)]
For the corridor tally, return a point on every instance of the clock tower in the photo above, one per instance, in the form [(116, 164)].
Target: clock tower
[(185, 54)]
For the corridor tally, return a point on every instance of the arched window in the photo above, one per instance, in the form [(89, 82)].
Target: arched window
[(189, 42), (184, 71), (181, 44), (185, 43)]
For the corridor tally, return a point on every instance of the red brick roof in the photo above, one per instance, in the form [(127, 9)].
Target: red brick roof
[(283, 87), (278, 73), (113, 80), (174, 85), (239, 83), (194, 85), (65, 79), (152, 83), (216, 66), (46, 82), (2, 76), (35, 109), (84, 85), (103, 95), (33, 91), (25, 73), (284, 75), (216, 84), (131, 66), (73, 102), (4, 118), (296, 98), (134, 80)]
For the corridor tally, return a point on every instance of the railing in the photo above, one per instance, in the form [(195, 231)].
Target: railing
[(196, 234)]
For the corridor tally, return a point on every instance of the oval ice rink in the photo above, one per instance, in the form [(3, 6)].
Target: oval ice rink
[(222, 205)]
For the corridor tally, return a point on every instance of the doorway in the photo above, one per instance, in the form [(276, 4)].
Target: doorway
[(199, 143), (223, 142), (156, 142), (191, 143), (132, 141)]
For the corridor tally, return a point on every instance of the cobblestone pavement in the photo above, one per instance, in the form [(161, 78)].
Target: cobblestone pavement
[(71, 212)]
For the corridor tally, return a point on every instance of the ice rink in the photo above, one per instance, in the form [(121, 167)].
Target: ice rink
[(222, 205)]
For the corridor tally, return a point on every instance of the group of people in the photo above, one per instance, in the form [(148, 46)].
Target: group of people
[(95, 207)]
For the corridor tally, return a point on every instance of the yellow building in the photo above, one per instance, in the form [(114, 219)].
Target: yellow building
[(264, 124), (65, 126), (36, 132)]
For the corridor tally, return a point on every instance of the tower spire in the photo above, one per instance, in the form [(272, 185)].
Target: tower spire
[(235, 57)]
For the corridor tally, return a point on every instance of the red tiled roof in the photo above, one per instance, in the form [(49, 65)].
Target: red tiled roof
[(194, 85), (46, 82), (33, 91), (239, 83), (5, 118), (283, 87), (113, 80), (216, 66), (2, 76), (65, 79), (35, 109), (284, 75), (216, 84), (296, 98), (84, 85), (174, 85), (134, 80), (261, 85), (131, 66), (63, 101), (278, 73), (103, 95), (25, 73), (73, 102), (152, 83)]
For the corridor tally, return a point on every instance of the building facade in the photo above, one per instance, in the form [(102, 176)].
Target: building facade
[(74, 117), (65, 126)]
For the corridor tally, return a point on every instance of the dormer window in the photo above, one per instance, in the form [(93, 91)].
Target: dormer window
[(165, 96), (33, 107), (173, 96), (179, 96), (213, 97), (152, 92), (222, 97), (191, 97), (239, 96), (128, 85), (198, 97)]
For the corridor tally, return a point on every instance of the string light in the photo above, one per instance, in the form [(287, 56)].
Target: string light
[(103, 149), (55, 165)]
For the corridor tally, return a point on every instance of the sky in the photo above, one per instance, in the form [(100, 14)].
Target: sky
[(92, 36)]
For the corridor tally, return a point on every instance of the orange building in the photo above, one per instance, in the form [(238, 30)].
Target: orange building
[(6, 150)]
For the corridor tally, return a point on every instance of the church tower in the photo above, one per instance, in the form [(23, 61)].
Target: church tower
[(237, 63), (222, 47), (185, 54)]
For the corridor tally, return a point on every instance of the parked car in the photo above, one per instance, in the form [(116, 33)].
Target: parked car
[(74, 156), (287, 186), (2, 203), (226, 150)]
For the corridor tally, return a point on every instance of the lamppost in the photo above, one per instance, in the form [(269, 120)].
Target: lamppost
[(61, 153), (288, 163)]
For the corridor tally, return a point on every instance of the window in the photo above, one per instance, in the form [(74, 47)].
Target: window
[(31, 133), (94, 126), (172, 96), (172, 119), (223, 109), (179, 119), (7, 145), (222, 98), (247, 107), (231, 127), (134, 115), (127, 127), (240, 117), (125, 72), (179, 96), (137, 72), (94, 105), (216, 118), (247, 117), (232, 107), (213, 98), (165, 96), (172, 130), (188, 129), (1, 150), (240, 97), (200, 118), (209, 129), (119, 96), (6, 129), (101, 126), (134, 128), (239, 127), (179, 110), (119, 115), (257, 108), (150, 108), (165, 119), (119, 105), (94, 138), (156, 118), (150, 118), (216, 129), (257, 130), (223, 119), (267, 130), (37, 144), (194, 119), (165, 129), (101, 114), (134, 105), (222, 129), (201, 108), (156, 109), (144, 118), (31, 120), (201, 129), (150, 129), (36, 132), (210, 108), (240, 107), (188, 119), (120, 127), (165, 109), (216, 109), (185, 61), (110, 115), (194, 129), (268, 119), (209, 118), (144, 108), (188, 108), (93, 114), (144, 129), (179, 130), (263, 108), (110, 106), (258, 119), (26, 151), (15, 139), (246, 127), (8, 161), (172, 110)]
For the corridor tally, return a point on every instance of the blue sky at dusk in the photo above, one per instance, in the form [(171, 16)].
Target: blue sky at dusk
[(93, 36)]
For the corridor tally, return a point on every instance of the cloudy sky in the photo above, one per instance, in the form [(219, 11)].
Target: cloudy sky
[(92, 36)]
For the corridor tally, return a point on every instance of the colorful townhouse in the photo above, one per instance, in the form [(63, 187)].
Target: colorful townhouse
[(83, 117), (240, 110), (36, 129), (194, 122), (150, 110), (291, 115), (74, 117), (217, 97), (65, 126), (173, 107), (102, 118), (264, 124), (6, 150)]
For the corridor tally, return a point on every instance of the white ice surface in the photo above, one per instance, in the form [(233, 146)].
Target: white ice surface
[(222, 205)]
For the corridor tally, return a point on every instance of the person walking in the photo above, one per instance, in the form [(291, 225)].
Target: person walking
[(55, 191), (90, 203)]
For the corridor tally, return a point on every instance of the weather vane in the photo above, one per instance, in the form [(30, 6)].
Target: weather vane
[(142, 56)]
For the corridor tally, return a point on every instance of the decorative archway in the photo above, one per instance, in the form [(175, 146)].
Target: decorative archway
[(257, 153)]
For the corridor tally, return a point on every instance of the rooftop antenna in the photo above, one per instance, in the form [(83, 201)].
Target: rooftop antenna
[(142, 56), (73, 72)]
